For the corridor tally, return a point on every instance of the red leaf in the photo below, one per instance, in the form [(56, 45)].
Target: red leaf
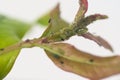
[(100, 41), (82, 10), (84, 4)]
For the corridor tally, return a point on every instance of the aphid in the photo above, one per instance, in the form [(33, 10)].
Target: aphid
[(1, 49), (56, 56), (49, 20)]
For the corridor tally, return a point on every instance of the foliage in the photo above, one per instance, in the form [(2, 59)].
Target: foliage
[(64, 55), (11, 32)]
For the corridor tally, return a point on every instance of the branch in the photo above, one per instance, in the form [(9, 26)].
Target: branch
[(24, 44)]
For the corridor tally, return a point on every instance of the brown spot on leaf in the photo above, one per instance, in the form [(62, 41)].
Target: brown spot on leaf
[(61, 62)]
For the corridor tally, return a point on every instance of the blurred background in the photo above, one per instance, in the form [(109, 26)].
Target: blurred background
[(33, 64)]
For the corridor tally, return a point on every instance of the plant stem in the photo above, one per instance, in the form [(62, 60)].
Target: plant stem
[(23, 44)]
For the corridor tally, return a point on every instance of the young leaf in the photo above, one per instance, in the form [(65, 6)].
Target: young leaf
[(56, 23), (90, 19), (11, 32), (82, 10), (73, 60), (100, 41)]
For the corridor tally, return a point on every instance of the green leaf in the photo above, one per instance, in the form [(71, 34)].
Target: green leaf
[(44, 19), (70, 59), (19, 27), (56, 22), (6, 62), (11, 32)]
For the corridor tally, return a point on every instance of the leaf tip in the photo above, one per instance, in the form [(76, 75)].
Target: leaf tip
[(84, 4), (56, 10), (99, 40), (100, 16)]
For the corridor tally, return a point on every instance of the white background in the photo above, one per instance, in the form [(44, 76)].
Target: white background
[(33, 64)]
